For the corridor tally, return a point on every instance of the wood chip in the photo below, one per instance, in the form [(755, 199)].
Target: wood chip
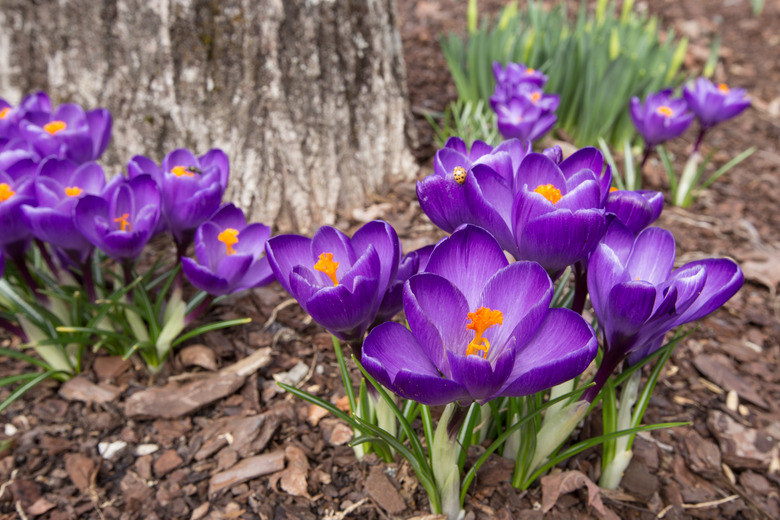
[(79, 469), (732, 400), (247, 469), (553, 486), (198, 355), (720, 370), (173, 400), (107, 368), (379, 487), (82, 389), (294, 477)]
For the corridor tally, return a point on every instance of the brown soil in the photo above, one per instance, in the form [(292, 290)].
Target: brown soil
[(724, 465)]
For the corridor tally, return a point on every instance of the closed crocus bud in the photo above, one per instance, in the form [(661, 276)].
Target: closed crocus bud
[(479, 328), (69, 133), (192, 189), (661, 117), (122, 219), (60, 183), (339, 281), (713, 103), (230, 254)]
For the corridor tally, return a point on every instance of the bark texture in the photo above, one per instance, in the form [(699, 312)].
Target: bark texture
[(307, 97)]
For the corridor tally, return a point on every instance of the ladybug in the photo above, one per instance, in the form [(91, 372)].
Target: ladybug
[(459, 173)]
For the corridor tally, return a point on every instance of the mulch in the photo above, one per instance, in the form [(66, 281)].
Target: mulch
[(114, 444)]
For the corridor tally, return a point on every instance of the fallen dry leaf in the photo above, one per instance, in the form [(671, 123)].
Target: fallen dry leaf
[(379, 487), (247, 469), (82, 389), (553, 486)]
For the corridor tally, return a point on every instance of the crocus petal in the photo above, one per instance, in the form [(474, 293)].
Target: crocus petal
[(285, 252), (85, 214), (202, 278), (468, 259), (562, 349), (522, 291), (629, 306), (437, 314), (724, 279), (391, 354), (384, 238), (481, 378), (341, 311), (653, 255), (560, 238)]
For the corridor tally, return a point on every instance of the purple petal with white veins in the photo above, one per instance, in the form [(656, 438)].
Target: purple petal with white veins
[(468, 258), (562, 349), (328, 239), (724, 279), (384, 238), (202, 278), (522, 291), (252, 239), (437, 314), (391, 355), (560, 238), (229, 216), (537, 170), (652, 257), (233, 267), (481, 378), (285, 252)]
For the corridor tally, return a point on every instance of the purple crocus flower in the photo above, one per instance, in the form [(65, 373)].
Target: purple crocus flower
[(636, 209), (192, 189), (523, 118), (513, 79), (338, 281), (479, 328), (35, 108), (661, 117), (231, 254), (59, 184), (638, 297), (712, 103), (122, 219), (16, 191), (69, 133), (473, 187), (557, 214)]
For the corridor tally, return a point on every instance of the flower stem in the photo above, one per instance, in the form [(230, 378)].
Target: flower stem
[(612, 472), (445, 452), (580, 287)]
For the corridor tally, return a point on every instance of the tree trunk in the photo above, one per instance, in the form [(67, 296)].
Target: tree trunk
[(307, 97)]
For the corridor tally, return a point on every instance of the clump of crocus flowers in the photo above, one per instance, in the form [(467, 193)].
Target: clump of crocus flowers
[(494, 328), (524, 111), (663, 117)]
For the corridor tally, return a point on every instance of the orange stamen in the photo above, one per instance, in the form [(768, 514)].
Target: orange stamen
[(536, 96), (723, 88), (326, 265), (73, 191), (55, 126), (481, 320), (612, 189), (665, 111), (6, 192), (229, 237), (124, 225), (529, 70), (549, 192), (4, 112), (180, 171)]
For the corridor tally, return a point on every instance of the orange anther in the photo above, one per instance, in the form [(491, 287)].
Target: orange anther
[(55, 126), (326, 265), (229, 237), (549, 192), (482, 319), (124, 225), (73, 191)]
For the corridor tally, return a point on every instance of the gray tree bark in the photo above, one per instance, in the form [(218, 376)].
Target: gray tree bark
[(307, 97)]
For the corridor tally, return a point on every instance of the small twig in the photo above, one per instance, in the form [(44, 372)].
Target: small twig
[(274, 313), (332, 515), (700, 505)]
